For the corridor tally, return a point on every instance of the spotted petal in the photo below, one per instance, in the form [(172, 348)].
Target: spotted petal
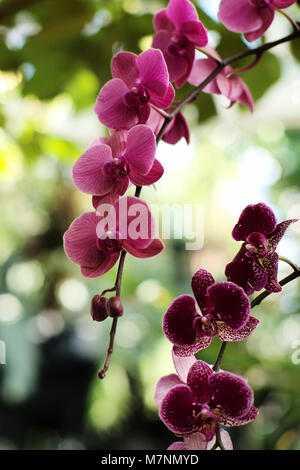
[(178, 321), (255, 218), (176, 410), (225, 333)]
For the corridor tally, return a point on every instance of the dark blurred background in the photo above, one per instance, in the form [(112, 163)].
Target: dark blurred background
[(54, 57)]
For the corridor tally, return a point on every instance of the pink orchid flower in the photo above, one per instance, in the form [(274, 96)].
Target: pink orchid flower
[(197, 441), (178, 32), (138, 82), (177, 128), (110, 164), (197, 399), (226, 83), (250, 17), (255, 266), (225, 313), (95, 241)]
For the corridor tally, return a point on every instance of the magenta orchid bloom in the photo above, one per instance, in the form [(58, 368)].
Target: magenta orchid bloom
[(178, 32), (95, 242), (226, 83), (197, 399), (177, 128), (250, 17), (138, 82), (110, 164), (197, 441), (255, 266), (225, 313)]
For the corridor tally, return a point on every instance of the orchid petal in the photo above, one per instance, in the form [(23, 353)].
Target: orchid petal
[(123, 66)]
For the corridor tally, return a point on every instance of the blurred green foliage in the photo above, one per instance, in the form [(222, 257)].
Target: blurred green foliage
[(54, 58)]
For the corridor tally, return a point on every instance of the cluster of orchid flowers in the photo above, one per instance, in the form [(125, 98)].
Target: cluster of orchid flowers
[(133, 106)]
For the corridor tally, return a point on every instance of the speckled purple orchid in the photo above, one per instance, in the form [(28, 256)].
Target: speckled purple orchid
[(197, 399), (250, 17), (224, 309), (255, 267), (110, 164), (138, 82), (178, 32), (197, 441)]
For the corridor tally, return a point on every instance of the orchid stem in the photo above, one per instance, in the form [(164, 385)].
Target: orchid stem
[(266, 293), (290, 19), (218, 442), (290, 263), (117, 288), (217, 364)]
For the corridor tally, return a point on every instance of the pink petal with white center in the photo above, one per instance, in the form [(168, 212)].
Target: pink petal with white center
[(164, 385), (254, 218), (196, 441), (250, 416), (176, 410), (195, 32), (88, 174), (230, 304), (155, 247), (140, 149), (201, 342), (198, 381), (177, 446), (110, 108), (223, 387), (202, 68), (240, 16), (225, 438), (225, 333), (123, 66), (279, 232), (181, 11), (267, 15), (183, 365), (106, 263), (178, 321), (153, 71), (201, 281), (80, 241), (161, 21), (154, 175), (165, 101)]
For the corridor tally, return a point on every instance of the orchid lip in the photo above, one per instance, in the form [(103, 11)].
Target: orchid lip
[(109, 243), (116, 169)]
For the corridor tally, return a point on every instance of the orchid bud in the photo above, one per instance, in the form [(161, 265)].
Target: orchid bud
[(115, 307), (99, 308)]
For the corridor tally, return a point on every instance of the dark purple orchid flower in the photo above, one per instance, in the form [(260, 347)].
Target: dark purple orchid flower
[(250, 17), (138, 82), (255, 267), (178, 32), (198, 399), (110, 164), (197, 441), (225, 312)]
